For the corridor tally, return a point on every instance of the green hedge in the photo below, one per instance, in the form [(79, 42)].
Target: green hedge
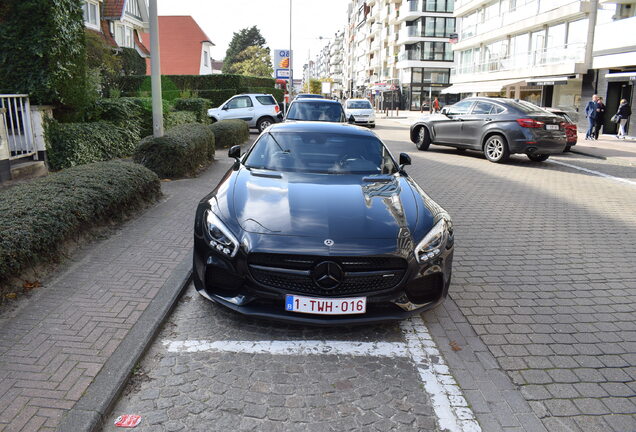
[(180, 152), (36, 218), (230, 132), (176, 118), (121, 111), (199, 106), (71, 144)]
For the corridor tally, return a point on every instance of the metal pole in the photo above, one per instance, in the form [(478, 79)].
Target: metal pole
[(155, 69), (381, 71), (291, 60)]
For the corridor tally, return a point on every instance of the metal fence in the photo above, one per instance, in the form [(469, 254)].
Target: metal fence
[(17, 123)]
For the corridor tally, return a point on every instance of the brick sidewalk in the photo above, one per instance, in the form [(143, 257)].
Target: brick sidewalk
[(608, 147), (54, 344)]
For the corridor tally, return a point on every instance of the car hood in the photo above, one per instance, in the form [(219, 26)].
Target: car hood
[(324, 205)]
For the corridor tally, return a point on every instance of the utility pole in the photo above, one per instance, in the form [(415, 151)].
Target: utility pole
[(155, 68), (291, 57)]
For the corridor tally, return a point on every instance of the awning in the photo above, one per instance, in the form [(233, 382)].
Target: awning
[(480, 86), (544, 81), (621, 76)]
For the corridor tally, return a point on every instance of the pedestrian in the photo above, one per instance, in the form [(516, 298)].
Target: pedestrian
[(590, 113), (624, 111), (436, 105), (600, 117)]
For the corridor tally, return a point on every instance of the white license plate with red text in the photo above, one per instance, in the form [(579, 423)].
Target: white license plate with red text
[(325, 306)]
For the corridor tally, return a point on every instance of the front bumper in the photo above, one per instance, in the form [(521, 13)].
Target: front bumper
[(231, 283)]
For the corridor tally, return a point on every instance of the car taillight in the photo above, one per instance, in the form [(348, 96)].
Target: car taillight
[(530, 123), (277, 108)]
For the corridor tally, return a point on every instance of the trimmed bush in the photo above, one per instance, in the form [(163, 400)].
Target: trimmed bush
[(229, 133), (121, 111), (36, 218), (71, 144), (145, 120), (199, 106), (176, 118), (180, 152)]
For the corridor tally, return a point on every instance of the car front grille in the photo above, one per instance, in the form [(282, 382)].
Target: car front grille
[(293, 273)]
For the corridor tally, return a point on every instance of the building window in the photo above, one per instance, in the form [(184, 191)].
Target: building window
[(206, 59), (429, 51), (438, 26), (132, 8), (438, 5), (124, 36), (91, 13)]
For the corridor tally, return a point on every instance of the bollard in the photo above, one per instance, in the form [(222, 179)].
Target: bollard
[(5, 164)]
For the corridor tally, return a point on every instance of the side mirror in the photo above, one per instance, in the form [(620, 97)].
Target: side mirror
[(405, 159), (234, 152), (225, 108), (351, 120)]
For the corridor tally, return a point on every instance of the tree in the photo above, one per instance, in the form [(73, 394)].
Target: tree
[(254, 61), (103, 65), (315, 86), (245, 38)]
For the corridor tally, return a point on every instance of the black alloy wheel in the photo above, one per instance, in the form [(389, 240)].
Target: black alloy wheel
[(423, 139), (496, 149)]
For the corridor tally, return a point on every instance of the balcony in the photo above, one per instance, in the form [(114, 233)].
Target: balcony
[(611, 50), (528, 16), (550, 61), (410, 10)]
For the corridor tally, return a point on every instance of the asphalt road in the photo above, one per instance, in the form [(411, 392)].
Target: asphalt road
[(539, 333)]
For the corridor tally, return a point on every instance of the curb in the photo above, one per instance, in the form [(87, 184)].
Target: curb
[(89, 413)]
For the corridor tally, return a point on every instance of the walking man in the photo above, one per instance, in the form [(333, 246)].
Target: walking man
[(624, 111), (600, 117), (590, 113)]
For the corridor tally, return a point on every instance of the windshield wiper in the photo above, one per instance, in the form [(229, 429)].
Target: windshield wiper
[(279, 146)]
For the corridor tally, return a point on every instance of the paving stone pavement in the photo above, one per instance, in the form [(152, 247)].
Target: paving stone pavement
[(53, 344), (544, 273)]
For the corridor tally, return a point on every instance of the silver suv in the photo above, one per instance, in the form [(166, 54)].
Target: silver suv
[(257, 109)]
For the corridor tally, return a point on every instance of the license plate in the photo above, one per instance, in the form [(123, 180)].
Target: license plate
[(362, 117), (552, 127), (325, 306)]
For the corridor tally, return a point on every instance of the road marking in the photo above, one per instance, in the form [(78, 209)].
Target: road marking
[(299, 347), (450, 406), (597, 173)]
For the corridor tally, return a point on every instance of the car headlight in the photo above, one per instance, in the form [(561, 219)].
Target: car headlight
[(219, 236), (434, 241)]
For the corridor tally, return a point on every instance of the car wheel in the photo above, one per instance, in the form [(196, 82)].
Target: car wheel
[(372, 126), (264, 123), (496, 149), (212, 120), (567, 148), (423, 139), (538, 157)]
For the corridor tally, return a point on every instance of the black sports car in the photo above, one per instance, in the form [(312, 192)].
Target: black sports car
[(317, 223)]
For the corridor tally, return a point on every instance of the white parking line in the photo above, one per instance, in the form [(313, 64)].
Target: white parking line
[(597, 173), (451, 409)]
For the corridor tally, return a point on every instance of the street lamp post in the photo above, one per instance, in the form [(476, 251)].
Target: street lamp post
[(291, 61), (430, 93), (155, 71)]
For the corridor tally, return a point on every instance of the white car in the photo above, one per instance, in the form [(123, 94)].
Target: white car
[(258, 110), (361, 111)]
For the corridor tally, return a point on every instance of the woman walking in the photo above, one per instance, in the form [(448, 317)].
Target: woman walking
[(624, 111)]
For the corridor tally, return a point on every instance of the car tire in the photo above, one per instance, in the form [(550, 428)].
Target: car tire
[(567, 148), (372, 126), (496, 149), (263, 123), (538, 157), (213, 120), (423, 139)]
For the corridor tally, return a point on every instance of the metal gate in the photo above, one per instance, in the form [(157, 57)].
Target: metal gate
[(17, 123)]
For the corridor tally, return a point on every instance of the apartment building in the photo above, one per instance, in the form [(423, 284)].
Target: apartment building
[(536, 50), (614, 59), (395, 52)]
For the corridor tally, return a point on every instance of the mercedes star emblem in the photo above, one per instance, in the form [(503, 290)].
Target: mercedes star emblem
[(328, 242), (327, 275)]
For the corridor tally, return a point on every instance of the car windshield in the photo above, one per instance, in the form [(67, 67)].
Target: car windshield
[(316, 111), (324, 153), (359, 105)]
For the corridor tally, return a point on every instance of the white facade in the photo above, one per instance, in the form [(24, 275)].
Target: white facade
[(536, 50), (206, 58)]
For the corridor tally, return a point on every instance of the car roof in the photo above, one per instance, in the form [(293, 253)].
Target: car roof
[(316, 100), (321, 127)]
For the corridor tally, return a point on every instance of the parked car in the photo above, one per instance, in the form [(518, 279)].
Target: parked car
[(258, 110), (324, 110), (318, 223), (498, 127), (571, 132), (309, 96), (360, 112)]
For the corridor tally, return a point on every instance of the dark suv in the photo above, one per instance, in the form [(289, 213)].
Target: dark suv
[(499, 127)]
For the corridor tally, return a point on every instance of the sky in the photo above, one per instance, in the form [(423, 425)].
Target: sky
[(311, 20)]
